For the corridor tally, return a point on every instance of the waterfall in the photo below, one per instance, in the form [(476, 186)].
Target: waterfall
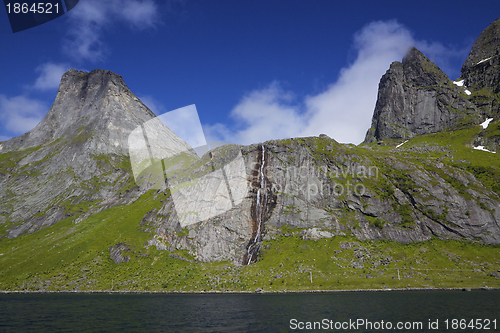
[(260, 208)]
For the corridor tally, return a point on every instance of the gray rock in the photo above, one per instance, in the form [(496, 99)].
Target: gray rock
[(316, 234), (358, 265), (480, 69), (489, 137), (495, 275), (416, 97), (347, 245), (481, 74), (116, 253)]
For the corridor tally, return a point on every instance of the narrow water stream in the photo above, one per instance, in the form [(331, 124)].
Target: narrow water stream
[(260, 210)]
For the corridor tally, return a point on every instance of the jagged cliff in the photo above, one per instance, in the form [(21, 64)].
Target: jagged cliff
[(480, 69), (420, 191), (416, 97), (481, 72)]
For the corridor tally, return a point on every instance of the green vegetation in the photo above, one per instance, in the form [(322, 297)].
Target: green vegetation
[(83, 135), (493, 130), (488, 175), (77, 257), (66, 250), (8, 160), (405, 212), (375, 221), (453, 149), (432, 68)]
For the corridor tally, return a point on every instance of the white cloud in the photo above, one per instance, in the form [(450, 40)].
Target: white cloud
[(50, 75), (20, 114), (141, 14), (153, 104), (185, 122), (261, 115), (90, 17), (343, 111)]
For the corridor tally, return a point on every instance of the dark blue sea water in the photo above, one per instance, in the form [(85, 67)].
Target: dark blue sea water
[(249, 312)]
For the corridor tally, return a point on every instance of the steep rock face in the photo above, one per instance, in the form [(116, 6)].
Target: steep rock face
[(77, 155), (416, 97), (481, 69), (233, 231), (328, 189), (481, 73)]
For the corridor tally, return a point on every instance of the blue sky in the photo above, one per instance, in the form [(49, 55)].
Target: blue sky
[(256, 70)]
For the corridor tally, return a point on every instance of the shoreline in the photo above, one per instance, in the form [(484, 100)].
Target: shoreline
[(219, 292)]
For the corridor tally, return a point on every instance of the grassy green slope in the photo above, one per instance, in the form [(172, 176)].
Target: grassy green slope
[(286, 263), (457, 152)]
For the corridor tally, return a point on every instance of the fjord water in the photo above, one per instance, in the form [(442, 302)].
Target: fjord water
[(237, 312)]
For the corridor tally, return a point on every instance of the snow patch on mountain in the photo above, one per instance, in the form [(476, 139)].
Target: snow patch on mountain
[(484, 60), (484, 149), (401, 144), (486, 123)]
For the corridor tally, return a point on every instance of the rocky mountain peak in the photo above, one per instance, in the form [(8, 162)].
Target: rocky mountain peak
[(480, 69), (420, 71), (96, 107), (81, 148), (486, 45), (416, 97), (88, 87)]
